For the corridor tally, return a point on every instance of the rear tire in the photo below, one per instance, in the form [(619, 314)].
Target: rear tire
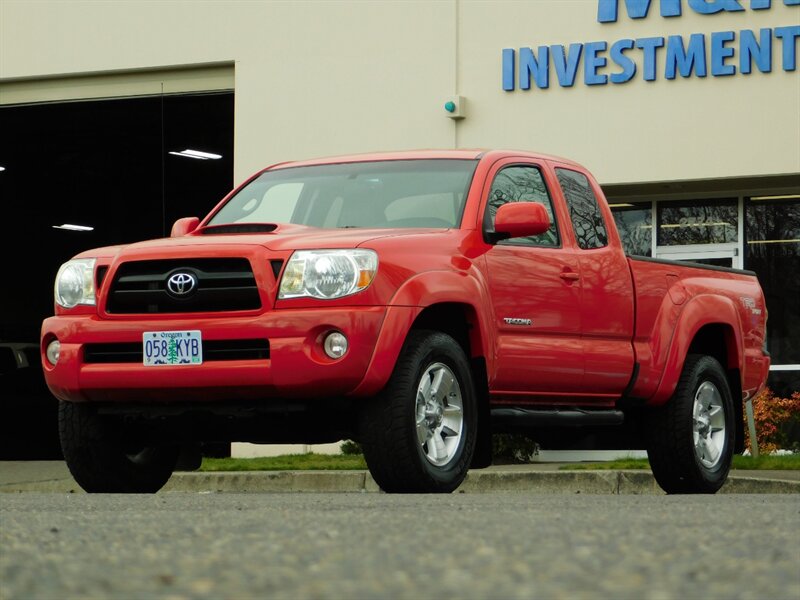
[(101, 463), (690, 439), (418, 435)]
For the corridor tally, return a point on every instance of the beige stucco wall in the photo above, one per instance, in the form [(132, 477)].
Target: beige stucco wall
[(330, 77)]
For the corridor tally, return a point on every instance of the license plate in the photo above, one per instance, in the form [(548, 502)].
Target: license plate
[(172, 348)]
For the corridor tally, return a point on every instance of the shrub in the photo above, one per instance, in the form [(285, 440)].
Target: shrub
[(777, 422), (349, 447), (512, 447)]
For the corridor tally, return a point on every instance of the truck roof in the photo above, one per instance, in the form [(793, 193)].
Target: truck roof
[(429, 154)]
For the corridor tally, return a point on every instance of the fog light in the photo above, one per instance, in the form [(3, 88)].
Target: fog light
[(335, 344), (53, 351)]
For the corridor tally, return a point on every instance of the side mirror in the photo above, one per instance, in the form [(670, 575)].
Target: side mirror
[(520, 219), (184, 226)]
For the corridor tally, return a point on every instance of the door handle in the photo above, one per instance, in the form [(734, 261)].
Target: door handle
[(569, 276)]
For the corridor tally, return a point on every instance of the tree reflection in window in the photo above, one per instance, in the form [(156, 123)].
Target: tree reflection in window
[(521, 184), (584, 210), (705, 222), (634, 224), (772, 230)]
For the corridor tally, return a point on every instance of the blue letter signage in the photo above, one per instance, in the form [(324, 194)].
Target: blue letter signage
[(697, 55)]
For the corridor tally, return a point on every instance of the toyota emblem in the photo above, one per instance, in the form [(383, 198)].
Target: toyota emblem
[(181, 284)]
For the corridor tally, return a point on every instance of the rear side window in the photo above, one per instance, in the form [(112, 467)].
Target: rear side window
[(584, 209), (521, 184)]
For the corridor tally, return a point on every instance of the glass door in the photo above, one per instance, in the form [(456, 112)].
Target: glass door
[(722, 257), (701, 231)]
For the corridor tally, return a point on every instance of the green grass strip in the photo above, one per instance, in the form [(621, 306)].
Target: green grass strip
[(784, 462), (287, 462), (355, 462), (620, 463)]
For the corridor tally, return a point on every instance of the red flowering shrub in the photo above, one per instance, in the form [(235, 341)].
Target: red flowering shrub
[(776, 419)]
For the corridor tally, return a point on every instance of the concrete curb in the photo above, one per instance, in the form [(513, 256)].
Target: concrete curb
[(477, 482)]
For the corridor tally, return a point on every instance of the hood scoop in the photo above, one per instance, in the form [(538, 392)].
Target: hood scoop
[(238, 228)]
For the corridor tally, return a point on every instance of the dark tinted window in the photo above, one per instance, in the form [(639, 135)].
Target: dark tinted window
[(772, 229), (584, 210), (697, 222), (521, 184)]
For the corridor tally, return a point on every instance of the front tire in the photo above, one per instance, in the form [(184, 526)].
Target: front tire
[(418, 435), (101, 463), (691, 438)]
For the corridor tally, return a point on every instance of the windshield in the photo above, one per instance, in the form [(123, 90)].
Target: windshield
[(394, 193)]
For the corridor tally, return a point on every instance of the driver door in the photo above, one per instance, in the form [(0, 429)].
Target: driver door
[(535, 290)]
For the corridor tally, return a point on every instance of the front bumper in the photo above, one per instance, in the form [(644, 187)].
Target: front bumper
[(296, 367)]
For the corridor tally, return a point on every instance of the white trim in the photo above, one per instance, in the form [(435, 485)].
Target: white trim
[(730, 247), (551, 456), (702, 251), (208, 77), (654, 229), (738, 262), (784, 367)]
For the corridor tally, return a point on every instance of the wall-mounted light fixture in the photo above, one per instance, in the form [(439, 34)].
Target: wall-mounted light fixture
[(455, 107), (71, 227), (784, 197), (680, 225), (198, 154), (773, 242)]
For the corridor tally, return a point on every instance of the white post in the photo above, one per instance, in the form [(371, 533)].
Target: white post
[(751, 427)]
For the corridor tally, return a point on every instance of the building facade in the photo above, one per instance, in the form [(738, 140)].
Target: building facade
[(687, 111)]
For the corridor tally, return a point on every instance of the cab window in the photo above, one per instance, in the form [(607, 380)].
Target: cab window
[(584, 209), (521, 183)]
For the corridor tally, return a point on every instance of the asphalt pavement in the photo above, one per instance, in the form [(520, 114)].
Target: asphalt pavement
[(362, 546), (541, 478)]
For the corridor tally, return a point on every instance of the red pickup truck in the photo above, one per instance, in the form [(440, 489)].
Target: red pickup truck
[(415, 302)]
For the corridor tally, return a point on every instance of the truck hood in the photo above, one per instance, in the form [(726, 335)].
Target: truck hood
[(285, 237)]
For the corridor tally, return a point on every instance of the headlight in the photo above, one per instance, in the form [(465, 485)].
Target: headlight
[(328, 274), (75, 283)]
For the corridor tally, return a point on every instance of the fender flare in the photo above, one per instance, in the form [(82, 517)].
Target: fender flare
[(411, 298), (702, 310)]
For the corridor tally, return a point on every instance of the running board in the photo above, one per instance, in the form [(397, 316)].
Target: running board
[(573, 417)]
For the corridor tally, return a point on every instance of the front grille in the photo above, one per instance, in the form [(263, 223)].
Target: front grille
[(213, 350), (223, 284), (276, 265), (100, 275)]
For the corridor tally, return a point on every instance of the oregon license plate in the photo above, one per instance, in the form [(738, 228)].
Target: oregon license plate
[(172, 348)]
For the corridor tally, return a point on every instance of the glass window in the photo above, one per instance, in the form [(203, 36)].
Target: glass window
[(443, 207), (772, 231), (714, 262), (393, 193), (584, 210), (697, 222), (634, 223), (521, 184), (276, 205)]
